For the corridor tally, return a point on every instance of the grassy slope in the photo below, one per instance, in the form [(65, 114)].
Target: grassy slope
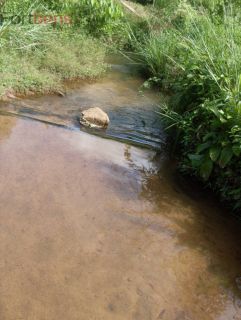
[(37, 57), (41, 65), (195, 52)]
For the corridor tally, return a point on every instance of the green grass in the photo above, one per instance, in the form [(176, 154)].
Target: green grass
[(38, 58), (74, 56), (197, 58), (20, 75)]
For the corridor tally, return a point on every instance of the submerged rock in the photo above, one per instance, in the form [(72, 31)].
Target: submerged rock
[(60, 93), (94, 117)]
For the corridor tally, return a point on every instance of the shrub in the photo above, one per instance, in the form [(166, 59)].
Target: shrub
[(100, 17)]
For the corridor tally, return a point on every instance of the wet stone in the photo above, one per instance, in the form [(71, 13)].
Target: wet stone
[(94, 117)]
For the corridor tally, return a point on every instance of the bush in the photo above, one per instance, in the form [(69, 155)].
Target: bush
[(99, 17)]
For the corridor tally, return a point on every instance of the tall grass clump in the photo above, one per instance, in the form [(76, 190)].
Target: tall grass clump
[(197, 58)]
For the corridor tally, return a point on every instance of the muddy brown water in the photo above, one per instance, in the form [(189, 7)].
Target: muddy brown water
[(96, 229)]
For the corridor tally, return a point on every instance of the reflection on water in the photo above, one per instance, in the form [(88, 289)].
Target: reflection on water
[(133, 115), (95, 229)]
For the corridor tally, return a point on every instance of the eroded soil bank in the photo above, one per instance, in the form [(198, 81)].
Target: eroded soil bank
[(95, 229)]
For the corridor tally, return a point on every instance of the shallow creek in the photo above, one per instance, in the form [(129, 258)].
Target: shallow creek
[(133, 113), (97, 229)]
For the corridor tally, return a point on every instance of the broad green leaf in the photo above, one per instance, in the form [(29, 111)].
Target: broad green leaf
[(236, 150), (203, 146), (218, 113), (208, 136), (225, 157), (196, 159), (215, 110), (206, 168), (214, 153)]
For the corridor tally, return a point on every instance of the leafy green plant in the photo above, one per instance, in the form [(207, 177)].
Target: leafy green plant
[(100, 16)]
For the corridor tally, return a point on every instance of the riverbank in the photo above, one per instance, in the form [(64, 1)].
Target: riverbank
[(46, 42), (192, 49), (57, 55)]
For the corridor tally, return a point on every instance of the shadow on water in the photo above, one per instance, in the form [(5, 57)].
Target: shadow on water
[(208, 237), (201, 240)]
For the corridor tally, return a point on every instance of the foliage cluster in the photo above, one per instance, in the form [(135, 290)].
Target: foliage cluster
[(98, 17), (197, 58)]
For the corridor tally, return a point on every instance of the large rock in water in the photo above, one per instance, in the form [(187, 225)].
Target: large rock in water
[(94, 117)]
